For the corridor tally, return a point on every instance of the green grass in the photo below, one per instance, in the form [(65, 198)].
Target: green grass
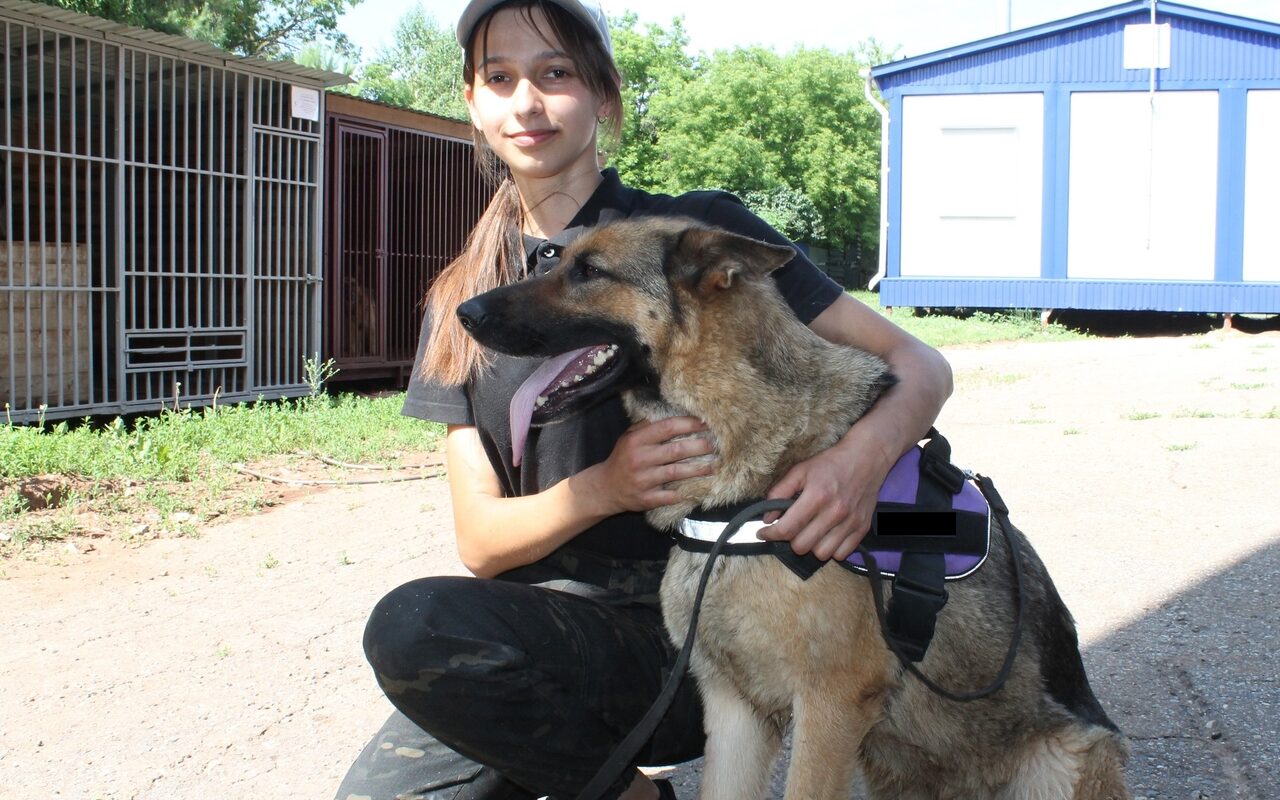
[(1196, 413), (1138, 416), (163, 475), (979, 327), (192, 444)]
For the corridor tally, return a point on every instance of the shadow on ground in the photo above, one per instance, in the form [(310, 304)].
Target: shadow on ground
[(1195, 684), (1160, 323)]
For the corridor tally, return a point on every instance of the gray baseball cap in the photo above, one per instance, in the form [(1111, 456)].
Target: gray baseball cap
[(587, 11)]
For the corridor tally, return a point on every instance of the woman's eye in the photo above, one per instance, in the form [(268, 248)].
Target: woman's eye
[(558, 73), (496, 78)]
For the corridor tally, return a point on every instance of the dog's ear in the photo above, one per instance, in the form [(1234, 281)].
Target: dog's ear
[(712, 259)]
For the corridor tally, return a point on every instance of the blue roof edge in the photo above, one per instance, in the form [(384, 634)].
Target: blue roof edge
[(1069, 23)]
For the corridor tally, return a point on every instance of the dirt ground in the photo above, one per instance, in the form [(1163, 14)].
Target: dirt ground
[(229, 665)]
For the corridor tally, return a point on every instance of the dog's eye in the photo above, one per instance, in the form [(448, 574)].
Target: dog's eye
[(587, 270)]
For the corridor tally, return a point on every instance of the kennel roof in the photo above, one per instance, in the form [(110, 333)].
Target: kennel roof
[(171, 44)]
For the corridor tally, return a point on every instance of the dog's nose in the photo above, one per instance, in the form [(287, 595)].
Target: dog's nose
[(471, 314)]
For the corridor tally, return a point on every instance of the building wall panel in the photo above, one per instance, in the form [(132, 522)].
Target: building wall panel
[(1262, 188), (1200, 52), (1143, 186), (972, 182)]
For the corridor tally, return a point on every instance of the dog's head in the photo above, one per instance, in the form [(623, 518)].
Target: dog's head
[(623, 298)]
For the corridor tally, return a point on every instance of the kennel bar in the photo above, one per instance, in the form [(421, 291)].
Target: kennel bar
[(162, 205)]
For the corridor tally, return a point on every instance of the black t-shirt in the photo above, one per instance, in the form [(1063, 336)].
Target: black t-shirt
[(565, 448)]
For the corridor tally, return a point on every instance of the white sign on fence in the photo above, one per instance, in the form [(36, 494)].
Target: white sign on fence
[(305, 103)]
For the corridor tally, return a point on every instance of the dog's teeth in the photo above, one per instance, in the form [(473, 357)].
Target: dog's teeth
[(541, 401), (577, 379)]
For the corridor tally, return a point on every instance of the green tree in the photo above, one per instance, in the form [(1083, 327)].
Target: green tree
[(652, 61), (789, 211), (269, 28), (158, 15), (714, 130), (266, 28), (780, 126), (420, 69), (318, 55)]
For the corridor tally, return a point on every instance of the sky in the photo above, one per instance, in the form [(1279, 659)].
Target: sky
[(914, 27)]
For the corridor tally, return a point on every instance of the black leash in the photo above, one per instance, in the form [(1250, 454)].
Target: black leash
[(622, 756), (625, 752)]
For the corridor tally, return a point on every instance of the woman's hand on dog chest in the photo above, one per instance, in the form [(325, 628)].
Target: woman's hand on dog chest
[(835, 496), (646, 460)]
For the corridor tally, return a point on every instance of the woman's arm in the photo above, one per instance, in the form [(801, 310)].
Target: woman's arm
[(837, 488), (497, 533)]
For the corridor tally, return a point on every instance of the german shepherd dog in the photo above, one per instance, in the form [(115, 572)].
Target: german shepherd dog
[(685, 320)]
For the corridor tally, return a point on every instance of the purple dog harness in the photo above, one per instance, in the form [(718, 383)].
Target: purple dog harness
[(932, 524)]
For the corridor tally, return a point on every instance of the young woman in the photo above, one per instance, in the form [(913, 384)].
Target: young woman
[(538, 666)]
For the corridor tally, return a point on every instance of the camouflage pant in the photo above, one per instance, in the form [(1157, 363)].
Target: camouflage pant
[(537, 677)]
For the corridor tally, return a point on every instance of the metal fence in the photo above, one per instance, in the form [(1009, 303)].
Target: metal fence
[(401, 203), (161, 238)]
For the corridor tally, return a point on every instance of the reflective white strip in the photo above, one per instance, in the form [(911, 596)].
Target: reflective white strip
[(706, 531)]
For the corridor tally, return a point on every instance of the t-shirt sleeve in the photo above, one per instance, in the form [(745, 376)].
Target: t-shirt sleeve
[(432, 400), (806, 288)]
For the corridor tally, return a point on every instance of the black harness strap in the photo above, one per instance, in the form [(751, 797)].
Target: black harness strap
[(919, 592), (918, 597)]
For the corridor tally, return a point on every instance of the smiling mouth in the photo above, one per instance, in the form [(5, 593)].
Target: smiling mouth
[(531, 137)]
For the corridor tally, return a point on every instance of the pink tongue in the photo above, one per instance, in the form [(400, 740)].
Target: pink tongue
[(522, 401)]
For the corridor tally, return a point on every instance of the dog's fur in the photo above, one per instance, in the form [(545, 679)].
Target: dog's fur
[(703, 332)]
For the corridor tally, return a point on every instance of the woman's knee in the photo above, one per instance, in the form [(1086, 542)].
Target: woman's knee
[(430, 626)]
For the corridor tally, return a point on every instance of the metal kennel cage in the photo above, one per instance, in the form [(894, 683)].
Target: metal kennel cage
[(162, 210)]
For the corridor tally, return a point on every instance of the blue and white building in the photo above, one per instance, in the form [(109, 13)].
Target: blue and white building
[(1127, 158)]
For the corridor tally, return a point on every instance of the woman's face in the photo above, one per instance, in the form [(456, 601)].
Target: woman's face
[(529, 101)]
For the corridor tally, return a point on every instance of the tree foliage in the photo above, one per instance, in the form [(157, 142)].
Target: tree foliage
[(318, 55), (777, 127), (788, 210), (652, 62), (267, 28), (158, 15), (421, 69)]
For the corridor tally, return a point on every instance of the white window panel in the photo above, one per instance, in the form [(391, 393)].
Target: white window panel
[(972, 185), (1262, 188), (1144, 186)]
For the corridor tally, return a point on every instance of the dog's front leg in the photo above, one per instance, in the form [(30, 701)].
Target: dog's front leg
[(741, 744), (830, 724)]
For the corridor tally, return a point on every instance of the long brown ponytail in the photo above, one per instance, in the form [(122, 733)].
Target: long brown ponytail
[(494, 252)]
